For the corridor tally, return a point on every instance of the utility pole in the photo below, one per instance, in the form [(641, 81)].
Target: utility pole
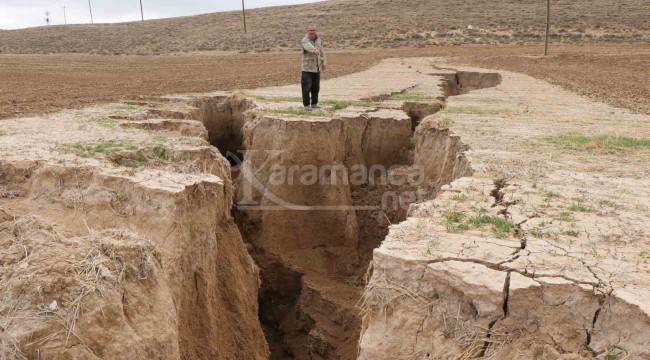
[(91, 12), (47, 17), (243, 10), (548, 25), (141, 12), (65, 20)]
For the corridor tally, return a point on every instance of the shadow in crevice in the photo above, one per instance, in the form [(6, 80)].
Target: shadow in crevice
[(224, 119)]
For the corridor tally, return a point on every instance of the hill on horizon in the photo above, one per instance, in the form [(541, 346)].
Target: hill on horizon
[(350, 24)]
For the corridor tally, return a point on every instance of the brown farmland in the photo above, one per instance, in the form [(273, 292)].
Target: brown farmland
[(34, 84)]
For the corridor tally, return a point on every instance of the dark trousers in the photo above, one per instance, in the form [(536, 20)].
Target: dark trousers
[(310, 86)]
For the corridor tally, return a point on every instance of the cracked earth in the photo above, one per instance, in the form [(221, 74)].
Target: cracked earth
[(516, 246)]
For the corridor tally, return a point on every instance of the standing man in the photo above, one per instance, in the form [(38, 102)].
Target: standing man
[(313, 62)]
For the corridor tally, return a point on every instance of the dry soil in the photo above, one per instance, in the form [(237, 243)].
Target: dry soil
[(35, 84)]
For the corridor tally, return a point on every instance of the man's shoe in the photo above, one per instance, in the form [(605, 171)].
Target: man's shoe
[(307, 108), (315, 107)]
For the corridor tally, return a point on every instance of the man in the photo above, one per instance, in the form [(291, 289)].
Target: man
[(313, 62)]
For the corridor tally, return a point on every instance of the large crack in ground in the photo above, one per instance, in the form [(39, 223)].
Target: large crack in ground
[(294, 327), (314, 262)]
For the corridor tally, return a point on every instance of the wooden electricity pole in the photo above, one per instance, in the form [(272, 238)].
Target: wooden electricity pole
[(243, 10), (91, 12), (548, 25), (65, 20), (141, 12)]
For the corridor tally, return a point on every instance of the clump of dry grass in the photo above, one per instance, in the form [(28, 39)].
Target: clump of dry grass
[(92, 266), (474, 340), (383, 292)]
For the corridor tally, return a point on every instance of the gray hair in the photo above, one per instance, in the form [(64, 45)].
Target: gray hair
[(312, 26)]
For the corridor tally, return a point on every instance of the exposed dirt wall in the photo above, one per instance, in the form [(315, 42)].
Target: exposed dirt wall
[(201, 285)]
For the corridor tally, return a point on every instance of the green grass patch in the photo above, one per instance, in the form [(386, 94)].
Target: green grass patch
[(140, 161), (454, 217), (475, 110), (103, 147), (270, 99), (602, 142), (334, 104), (298, 112), (411, 97), (161, 153), (571, 232), (339, 104), (550, 195), (125, 107), (458, 221), (564, 216), (500, 226), (578, 207)]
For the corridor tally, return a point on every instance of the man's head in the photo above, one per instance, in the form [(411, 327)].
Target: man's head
[(312, 31)]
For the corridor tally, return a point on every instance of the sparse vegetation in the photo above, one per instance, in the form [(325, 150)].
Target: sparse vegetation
[(298, 112), (411, 97), (162, 153), (579, 207), (333, 104), (458, 221), (392, 26), (106, 122), (601, 142), (103, 147), (122, 107), (571, 232), (474, 110), (459, 197), (564, 216), (550, 195), (279, 99)]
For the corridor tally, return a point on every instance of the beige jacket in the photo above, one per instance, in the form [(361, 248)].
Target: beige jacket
[(311, 62)]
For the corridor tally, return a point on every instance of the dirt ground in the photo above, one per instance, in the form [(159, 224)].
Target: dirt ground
[(35, 84)]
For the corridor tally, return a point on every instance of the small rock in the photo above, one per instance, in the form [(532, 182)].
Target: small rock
[(53, 305), (104, 272), (23, 265)]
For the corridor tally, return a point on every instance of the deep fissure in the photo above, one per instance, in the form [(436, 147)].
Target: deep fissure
[(296, 300)]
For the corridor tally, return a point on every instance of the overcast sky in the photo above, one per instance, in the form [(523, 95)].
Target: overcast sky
[(15, 14)]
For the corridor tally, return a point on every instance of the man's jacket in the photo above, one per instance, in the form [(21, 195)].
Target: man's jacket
[(311, 62)]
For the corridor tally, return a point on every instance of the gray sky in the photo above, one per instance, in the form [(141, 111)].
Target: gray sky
[(15, 14)]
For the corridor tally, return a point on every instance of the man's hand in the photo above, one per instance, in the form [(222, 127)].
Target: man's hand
[(317, 52), (323, 68)]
